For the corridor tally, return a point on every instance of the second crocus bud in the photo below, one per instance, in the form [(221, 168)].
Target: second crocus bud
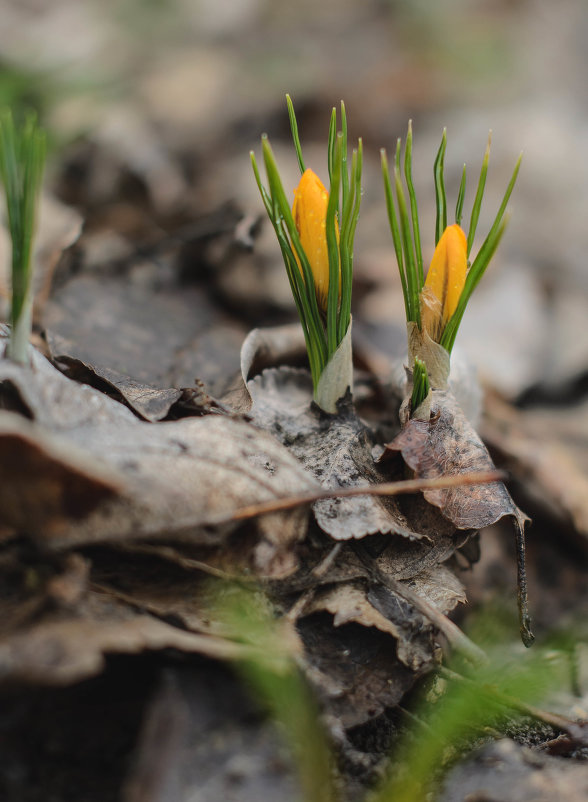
[(445, 281), (310, 217)]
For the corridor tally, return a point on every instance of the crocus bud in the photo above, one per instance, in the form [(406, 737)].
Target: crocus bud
[(310, 216), (445, 281)]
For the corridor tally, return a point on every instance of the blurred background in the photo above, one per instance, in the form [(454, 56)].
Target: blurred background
[(153, 106), (167, 97)]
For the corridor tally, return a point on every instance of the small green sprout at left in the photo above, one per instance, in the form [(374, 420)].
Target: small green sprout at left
[(435, 305), (22, 160), (316, 236), (421, 387)]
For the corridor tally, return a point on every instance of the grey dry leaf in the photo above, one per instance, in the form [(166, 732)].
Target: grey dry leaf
[(62, 650), (380, 607), (146, 401), (133, 316), (270, 347), (336, 449), (179, 477), (508, 772), (354, 669), (44, 483)]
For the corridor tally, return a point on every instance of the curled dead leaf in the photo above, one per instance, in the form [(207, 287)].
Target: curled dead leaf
[(447, 445)]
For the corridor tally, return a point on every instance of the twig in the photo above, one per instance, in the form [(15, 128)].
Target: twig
[(300, 605), (384, 489), (523, 603), (456, 638), (323, 566)]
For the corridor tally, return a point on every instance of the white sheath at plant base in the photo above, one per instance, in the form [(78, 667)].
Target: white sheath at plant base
[(337, 377)]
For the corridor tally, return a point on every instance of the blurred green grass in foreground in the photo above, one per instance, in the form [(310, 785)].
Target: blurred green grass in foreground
[(463, 704)]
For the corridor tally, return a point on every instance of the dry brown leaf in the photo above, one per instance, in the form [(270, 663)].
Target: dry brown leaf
[(546, 450), (447, 445)]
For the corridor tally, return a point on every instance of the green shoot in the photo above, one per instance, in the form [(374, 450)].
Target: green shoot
[(331, 142), (420, 385), (325, 315), (344, 173), (349, 220), (481, 262), (333, 248), (412, 277), (441, 322), (466, 699), (22, 159), (395, 231), (490, 695)]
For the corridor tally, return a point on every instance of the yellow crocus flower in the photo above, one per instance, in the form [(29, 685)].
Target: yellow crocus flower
[(445, 281), (310, 217)]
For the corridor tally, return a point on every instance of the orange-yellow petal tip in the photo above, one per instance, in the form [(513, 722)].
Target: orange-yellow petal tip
[(447, 273), (309, 211)]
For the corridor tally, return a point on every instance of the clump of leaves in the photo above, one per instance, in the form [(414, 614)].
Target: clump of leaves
[(316, 238), (22, 159)]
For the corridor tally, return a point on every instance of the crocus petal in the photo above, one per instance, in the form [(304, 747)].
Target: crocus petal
[(447, 273), (310, 215)]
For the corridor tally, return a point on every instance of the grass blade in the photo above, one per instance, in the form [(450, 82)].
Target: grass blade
[(331, 142), (394, 228), (344, 173), (479, 195), (22, 159), (413, 204), (440, 195), (412, 280), (295, 136), (348, 227), (460, 198), (333, 248)]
